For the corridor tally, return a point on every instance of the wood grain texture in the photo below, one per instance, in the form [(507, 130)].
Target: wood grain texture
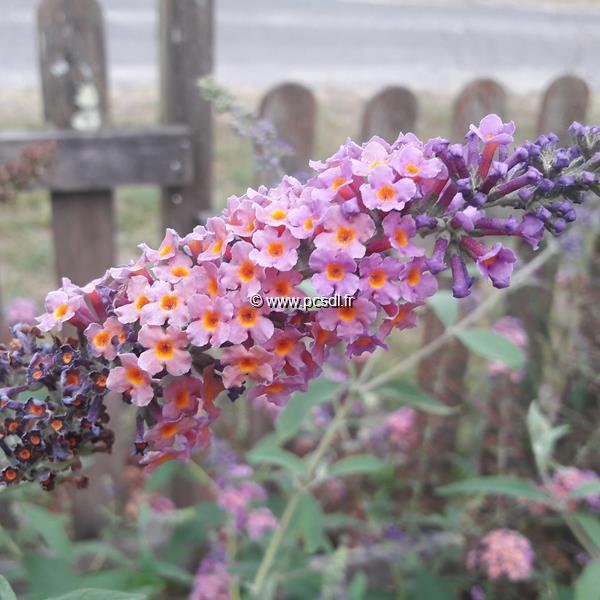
[(91, 160), (292, 109), (75, 95), (478, 98), (74, 91), (186, 54), (391, 111)]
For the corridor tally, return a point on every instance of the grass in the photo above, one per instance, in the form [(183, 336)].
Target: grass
[(26, 255)]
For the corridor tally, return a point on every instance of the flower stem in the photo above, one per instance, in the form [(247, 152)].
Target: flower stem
[(258, 586)]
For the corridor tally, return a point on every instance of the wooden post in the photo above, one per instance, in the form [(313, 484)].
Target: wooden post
[(292, 109), (186, 55), (478, 98), (391, 111), (566, 100), (75, 94), (74, 87)]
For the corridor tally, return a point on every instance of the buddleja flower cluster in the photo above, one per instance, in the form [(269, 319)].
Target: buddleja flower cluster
[(176, 327)]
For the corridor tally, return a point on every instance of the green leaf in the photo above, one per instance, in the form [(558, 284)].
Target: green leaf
[(92, 594), (591, 526), (410, 394), (299, 406), (591, 488), (511, 487), (588, 584), (276, 456), (543, 436), (6, 592), (493, 346), (49, 573), (353, 465), (358, 587), (50, 526), (310, 523), (445, 307)]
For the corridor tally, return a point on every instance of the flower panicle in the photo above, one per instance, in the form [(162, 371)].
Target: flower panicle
[(178, 327)]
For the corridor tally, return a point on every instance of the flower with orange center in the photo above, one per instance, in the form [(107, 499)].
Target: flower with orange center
[(399, 230), (103, 339), (242, 272), (182, 397), (210, 320), (334, 272), (167, 304), (349, 322), (165, 349), (385, 192), (249, 320), (415, 282), (130, 378), (346, 234), (241, 364), (274, 249)]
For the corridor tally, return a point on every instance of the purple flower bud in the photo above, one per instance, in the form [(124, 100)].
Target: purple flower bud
[(586, 178), (561, 207), (542, 141), (425, 222), (497, 226), (531, 176), (561, 159), (461, 280), (566, 181), (465, 187), (577, 130), (552, 137), (559, 226), (571, 215), (456, 160), (525, 195), (497, 171), (545, 186), (518, 156), (533, 151), (543, 214), (479, 199), (436, 263)]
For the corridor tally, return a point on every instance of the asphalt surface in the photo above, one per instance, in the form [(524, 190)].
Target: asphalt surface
[(433, 44)]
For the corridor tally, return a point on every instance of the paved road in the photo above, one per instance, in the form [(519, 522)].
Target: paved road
[(344, 43)]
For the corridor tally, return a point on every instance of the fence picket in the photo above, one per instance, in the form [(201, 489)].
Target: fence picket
[(391, 111)]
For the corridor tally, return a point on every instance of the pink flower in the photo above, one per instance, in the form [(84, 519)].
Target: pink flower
[(409, 161), (415, 283), (182, 397), (167, 303), (130, 378), (401, 428), (492, 130), (167, 249), (349, 322), (343, 234), (503, 553), (287, 345), (274, 249), (215, 244), (378, 278), (403, 317), (101, 338), (279, 391), (384, 193), (282, 284), (241, 271), (178, 268), (274, 213), (260, 520), (400, 230), (334, 272), (165, 350), (374, 154), (303, 219), (60, 308), (212, 320), (241, 364), (250, 320), (242, 216), (208, 280), (137, 293)]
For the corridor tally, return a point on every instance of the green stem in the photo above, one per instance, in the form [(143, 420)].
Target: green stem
[(264, 568)]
